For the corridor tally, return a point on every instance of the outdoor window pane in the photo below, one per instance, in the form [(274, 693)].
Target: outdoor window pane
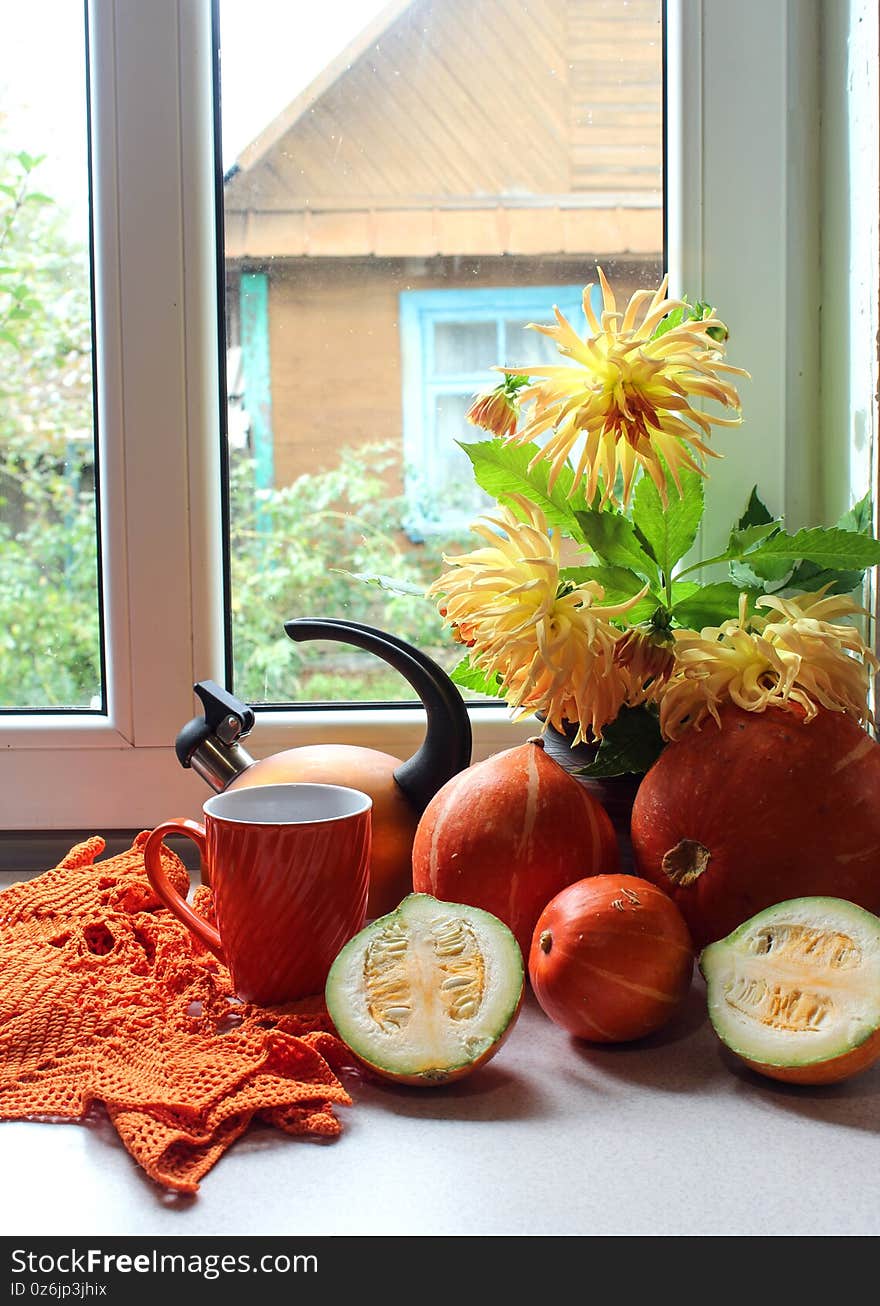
[(450, 419), (532, 347), (452, 485), (406, 187), (465, 346), (50, 642)]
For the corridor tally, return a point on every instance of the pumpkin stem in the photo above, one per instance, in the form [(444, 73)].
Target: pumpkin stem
[(685, 862), (537, 740)]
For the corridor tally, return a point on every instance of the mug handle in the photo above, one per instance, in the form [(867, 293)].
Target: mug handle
[(202, 929)]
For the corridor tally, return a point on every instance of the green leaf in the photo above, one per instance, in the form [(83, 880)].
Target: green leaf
[(860, 517), (743, 539), (756, 524), (761, 576), (630, 744), (825, 546), (807, 576), (502, 470), (673, 319), (756, 513), (613, 538), (29, 161), (668, 532), (11, 339), (390, 583), (683, 589), (469, 677), (710, 605), (696, 312), (619, 584)]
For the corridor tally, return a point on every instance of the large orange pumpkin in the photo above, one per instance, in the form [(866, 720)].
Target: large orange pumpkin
[(508, 833), (768, 807)]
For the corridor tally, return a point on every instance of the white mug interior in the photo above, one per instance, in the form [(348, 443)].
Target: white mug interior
[(296, 803)]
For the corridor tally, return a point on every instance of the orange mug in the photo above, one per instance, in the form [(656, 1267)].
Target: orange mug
[(288, 866)]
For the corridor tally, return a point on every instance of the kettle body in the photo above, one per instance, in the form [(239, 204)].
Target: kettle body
[(400, 790)]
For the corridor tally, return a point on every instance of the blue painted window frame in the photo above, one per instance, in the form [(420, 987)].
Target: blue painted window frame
[(420, 311)]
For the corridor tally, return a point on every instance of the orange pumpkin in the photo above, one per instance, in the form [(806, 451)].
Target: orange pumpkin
[(508, 833), (611, 959), (768, 807)]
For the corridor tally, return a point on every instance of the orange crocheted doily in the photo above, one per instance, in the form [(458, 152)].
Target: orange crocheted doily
[(106, 997)]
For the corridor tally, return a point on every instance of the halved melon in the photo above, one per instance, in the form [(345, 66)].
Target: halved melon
[(427, 993), (795, 990)]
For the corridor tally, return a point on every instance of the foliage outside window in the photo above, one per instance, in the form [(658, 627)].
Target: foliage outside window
[(49, 613)]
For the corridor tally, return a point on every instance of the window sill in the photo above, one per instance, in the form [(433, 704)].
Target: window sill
[(133, 788)]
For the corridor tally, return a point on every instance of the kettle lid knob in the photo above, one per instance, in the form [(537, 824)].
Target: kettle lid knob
[(226, 719)]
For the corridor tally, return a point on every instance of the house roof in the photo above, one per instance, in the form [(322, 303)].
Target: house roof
[(298, 107), (465, 127)]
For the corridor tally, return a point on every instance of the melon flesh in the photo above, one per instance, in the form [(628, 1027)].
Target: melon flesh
[(798, 986), (428, 992)]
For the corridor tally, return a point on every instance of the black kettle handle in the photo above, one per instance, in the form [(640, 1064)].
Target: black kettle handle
[(446, 748)]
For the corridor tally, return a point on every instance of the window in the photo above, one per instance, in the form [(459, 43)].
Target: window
[(450, 341), (51, 648), (772, 183)]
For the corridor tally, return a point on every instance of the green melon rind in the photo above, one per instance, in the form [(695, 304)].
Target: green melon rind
[(842, 908), (352, 1035)]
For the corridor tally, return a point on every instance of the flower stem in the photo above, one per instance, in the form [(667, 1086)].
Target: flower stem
[(704, 562)]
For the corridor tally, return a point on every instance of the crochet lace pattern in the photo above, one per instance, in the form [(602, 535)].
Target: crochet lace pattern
[(106, 997)]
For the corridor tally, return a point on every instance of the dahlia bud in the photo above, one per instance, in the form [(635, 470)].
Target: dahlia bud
[(497, 411)]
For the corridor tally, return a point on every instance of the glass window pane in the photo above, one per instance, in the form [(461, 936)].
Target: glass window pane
[(376, 160), (453, 487), (464, 347), (531, 347), (50, 639)]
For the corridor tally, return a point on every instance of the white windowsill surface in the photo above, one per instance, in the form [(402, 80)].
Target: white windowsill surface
[(553, 1137)]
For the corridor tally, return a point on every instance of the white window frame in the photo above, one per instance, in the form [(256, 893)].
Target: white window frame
[(747, 201)]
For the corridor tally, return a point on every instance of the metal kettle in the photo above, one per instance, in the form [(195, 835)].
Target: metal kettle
[(400, 789)]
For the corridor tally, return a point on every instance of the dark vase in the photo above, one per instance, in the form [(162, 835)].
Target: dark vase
[(615, 793)]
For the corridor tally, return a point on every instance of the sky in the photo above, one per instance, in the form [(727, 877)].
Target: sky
[(270, 50)]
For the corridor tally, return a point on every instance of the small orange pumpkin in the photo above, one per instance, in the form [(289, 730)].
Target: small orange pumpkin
[(611, 958)]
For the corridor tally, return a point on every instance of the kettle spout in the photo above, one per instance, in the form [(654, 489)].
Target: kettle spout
[(446, 748)]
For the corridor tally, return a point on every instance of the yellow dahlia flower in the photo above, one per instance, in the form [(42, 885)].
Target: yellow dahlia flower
[(799, 658), (551, 643), (626, 395), (834, 664), (646, 661)]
